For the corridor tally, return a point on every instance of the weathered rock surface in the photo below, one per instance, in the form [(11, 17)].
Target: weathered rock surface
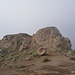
[(49, 38), (17, 42), (42, 51)]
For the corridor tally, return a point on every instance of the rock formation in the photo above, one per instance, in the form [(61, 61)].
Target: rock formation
[(16, 42), (49, 38), (41, 51)]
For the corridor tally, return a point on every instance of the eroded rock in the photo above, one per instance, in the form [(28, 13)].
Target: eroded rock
[(16, 42), (49, 38), (41, 51)]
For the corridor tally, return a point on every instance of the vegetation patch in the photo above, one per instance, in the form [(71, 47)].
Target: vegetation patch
[(72, 57), (45, 59), (61, 51), (34, 54), (22, 66), (8, 65)]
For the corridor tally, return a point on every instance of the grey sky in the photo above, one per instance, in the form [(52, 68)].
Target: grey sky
[(28, 16)]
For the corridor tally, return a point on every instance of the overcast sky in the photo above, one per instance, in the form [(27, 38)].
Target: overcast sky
[(27, 16)]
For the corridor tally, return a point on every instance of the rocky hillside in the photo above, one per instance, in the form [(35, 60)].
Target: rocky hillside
[(49, 38), (46, 52)]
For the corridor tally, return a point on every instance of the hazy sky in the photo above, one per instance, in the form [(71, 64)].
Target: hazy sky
[(28, 16)]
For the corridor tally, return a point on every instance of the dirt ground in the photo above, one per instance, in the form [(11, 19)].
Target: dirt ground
[(58, 64)]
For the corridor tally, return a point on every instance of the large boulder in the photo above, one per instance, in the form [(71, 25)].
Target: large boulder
[(50, 38)]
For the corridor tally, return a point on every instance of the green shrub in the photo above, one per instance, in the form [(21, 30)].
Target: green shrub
[(30, 57), (58, 51), (8, 65), (72, 57), (0, 64), (22, 66), (34, 54), (61, 51), (12, 56), (73, 52), (31, 52), (45, 59)]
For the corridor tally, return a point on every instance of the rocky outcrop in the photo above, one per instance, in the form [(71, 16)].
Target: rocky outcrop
[(48, 38), (16, 42)]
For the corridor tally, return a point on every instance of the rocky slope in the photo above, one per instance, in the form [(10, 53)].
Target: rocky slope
[(22, 54), (49, 38)]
